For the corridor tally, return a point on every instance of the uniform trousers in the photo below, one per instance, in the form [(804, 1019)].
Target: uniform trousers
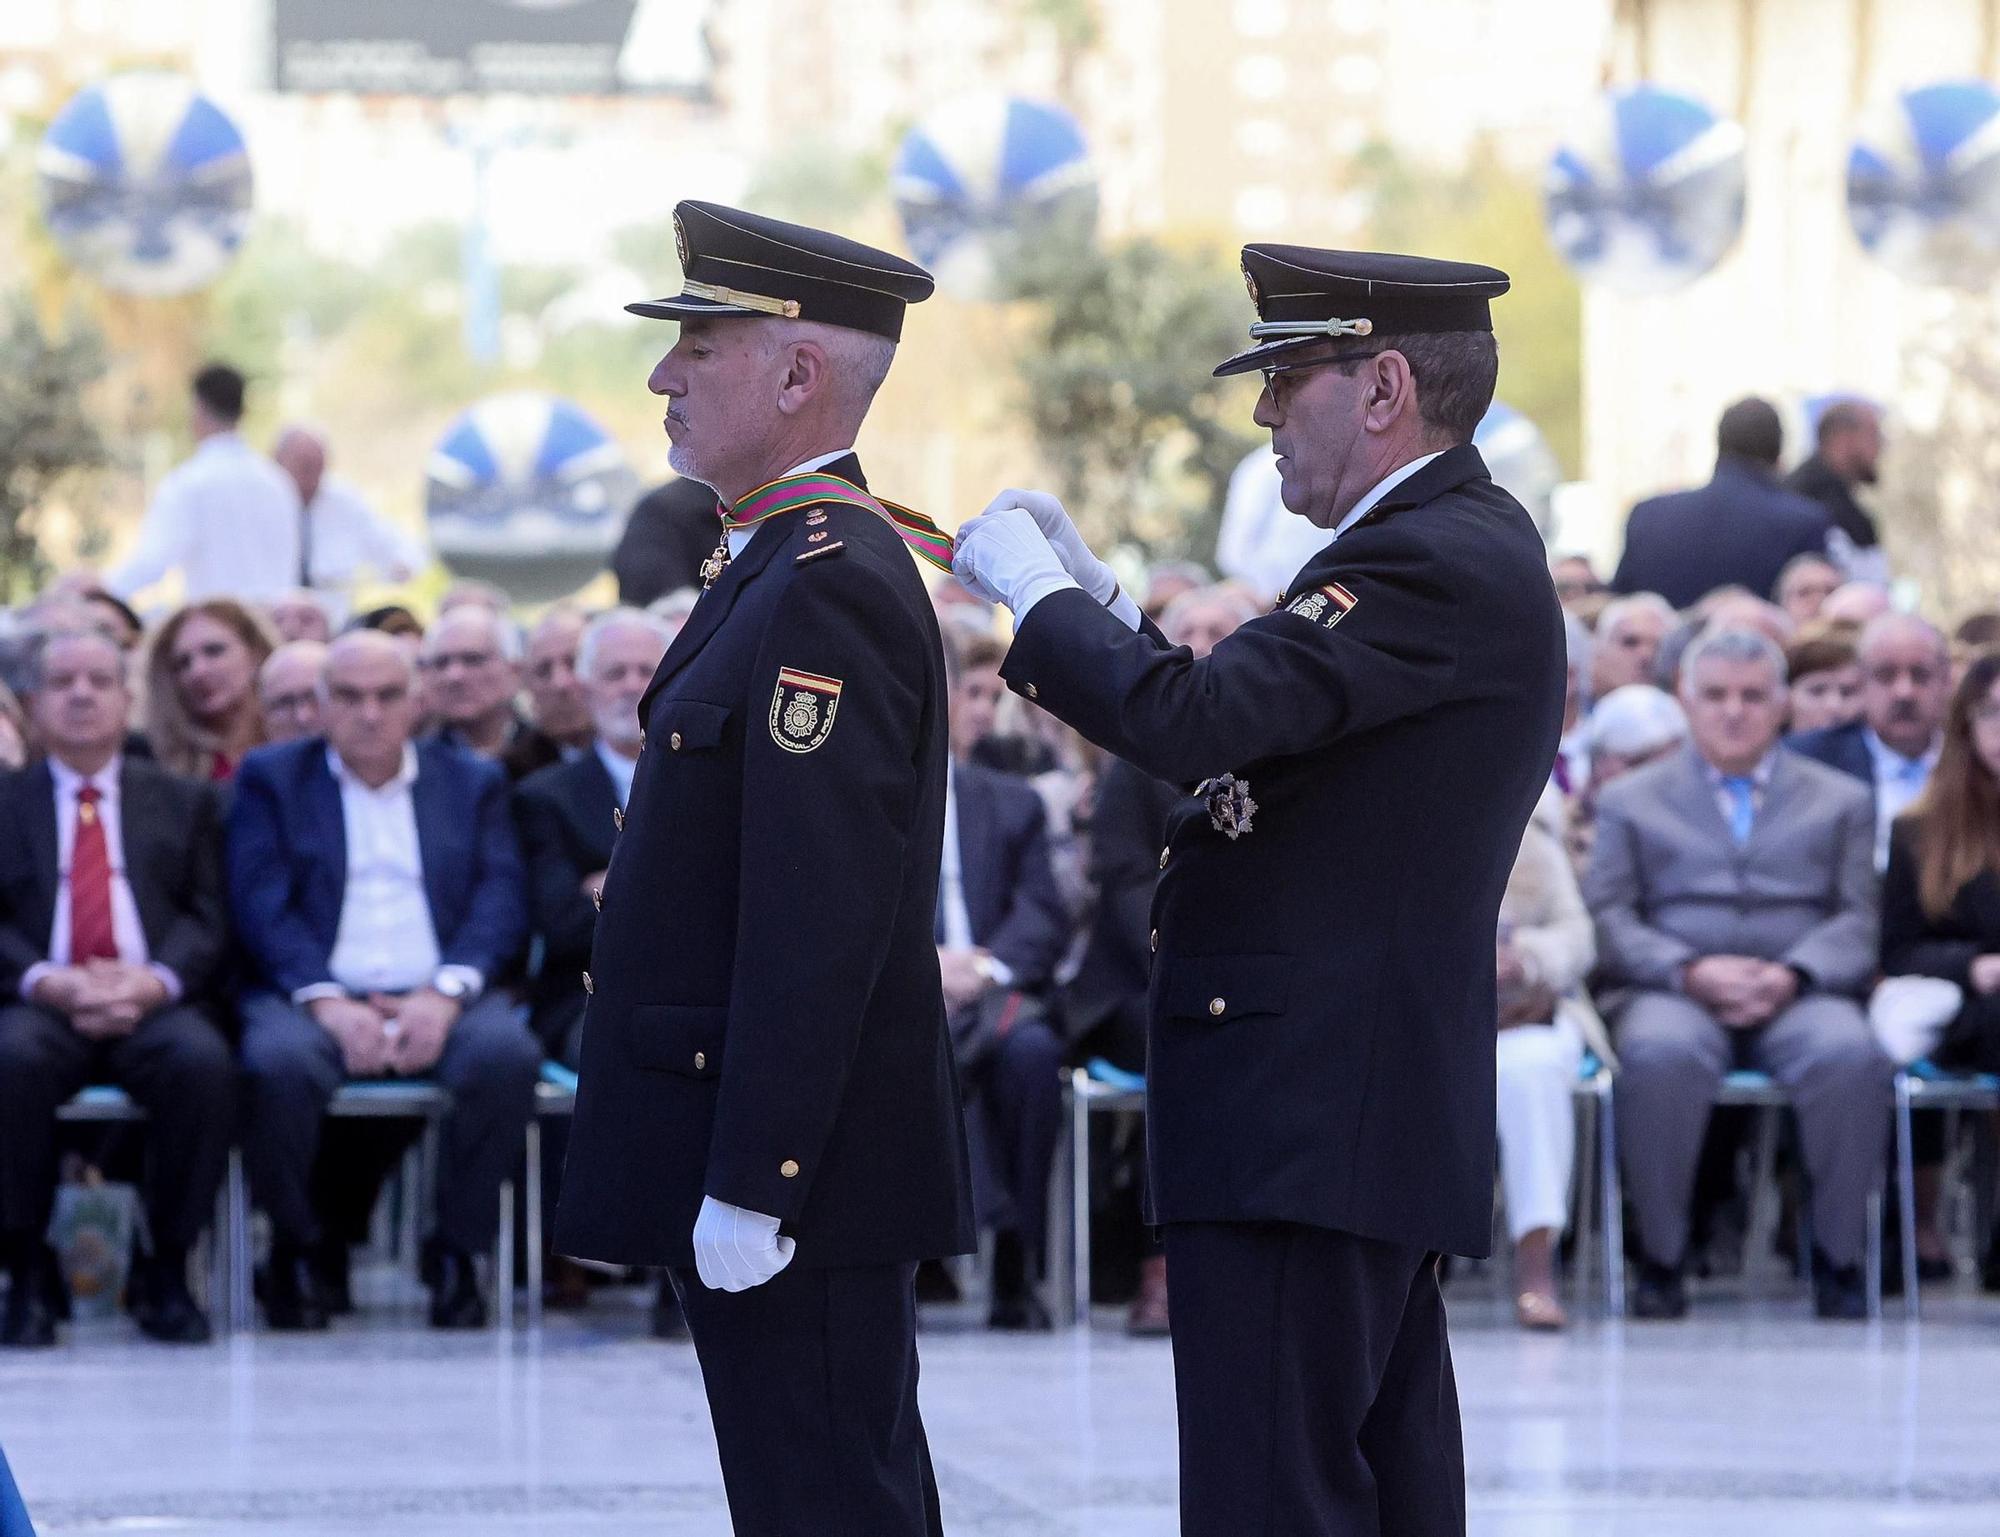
[(175, 1065), (292, 1067), (812, 1388), (1672, 1059), (1536, 1068), (1314, 1385)]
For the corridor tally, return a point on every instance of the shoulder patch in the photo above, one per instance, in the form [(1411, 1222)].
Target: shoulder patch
[(802, 709), (1326, 605)]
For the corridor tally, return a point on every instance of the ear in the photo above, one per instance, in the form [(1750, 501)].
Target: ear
[(804, 378), (1391, 393)]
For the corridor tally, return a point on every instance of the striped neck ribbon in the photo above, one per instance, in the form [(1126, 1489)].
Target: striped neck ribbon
[(926, 540)]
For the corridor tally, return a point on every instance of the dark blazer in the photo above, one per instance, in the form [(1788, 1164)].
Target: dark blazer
[(1128, 823), (1322, 1003), (1816, 481), (1740, 527), (767, 1024), (672, 530), (1915, 944), (1010, 891), (287, 861), (564, 814), (172, 835), (1839, 747)]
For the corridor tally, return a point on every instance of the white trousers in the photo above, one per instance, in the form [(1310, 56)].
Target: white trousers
[(1537, 1067)]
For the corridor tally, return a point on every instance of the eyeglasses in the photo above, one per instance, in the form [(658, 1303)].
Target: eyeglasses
[(1271, 371)]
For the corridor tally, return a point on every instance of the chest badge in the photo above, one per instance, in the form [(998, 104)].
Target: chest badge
[(802, 709), (1230, 807)]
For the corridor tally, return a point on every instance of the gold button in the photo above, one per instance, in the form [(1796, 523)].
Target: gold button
[(1216, 1007), (588, 985), (597, 899), (674, 741), (1031, 691), (700, 1061), (1163, 857), (789, 1168), (1153, 942), (618, 818)]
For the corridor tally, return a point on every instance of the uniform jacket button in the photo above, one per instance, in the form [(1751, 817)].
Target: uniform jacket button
[(1163, 857), (1153, 940), (1216, 1006), (618, 818), (597, 899), (789, 1168), (1031, 691), (674, 741), (700, 1061), (588, 985)]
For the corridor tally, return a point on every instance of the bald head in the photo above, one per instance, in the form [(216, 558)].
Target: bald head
[(301, 454), (1905, 681), (368, 703), (288, 688)]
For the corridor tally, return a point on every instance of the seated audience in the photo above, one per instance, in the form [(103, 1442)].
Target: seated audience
[(1941, 905), (1572, 766), (1627, 644), (469, 592), (288, 690), (672, 609), (301, 615), (1544, 950), (1625, 730), (200, 709), (558, 719), (1735, 899), (1001, 928), (1804, 586), (1905, 685), (1826, 680), (471, 661), (13, 731), (1576, 579), (113, 935), (377, 886), (114, 616), (1168, 581), (1855, 603), (395, 621), (1747, 611)]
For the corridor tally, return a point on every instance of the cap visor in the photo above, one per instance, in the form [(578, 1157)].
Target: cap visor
[(686, 307), (1263, 353)]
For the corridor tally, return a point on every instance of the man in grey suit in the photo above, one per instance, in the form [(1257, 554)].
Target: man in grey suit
[(1734, 890)]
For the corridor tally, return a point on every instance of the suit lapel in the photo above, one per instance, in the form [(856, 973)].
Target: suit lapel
[(328, 819), (429, 797), (40, 789), (136, 818), (1697, 799), (975, 850)]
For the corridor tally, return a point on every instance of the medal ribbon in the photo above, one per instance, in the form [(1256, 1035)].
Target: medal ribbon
[(926, 540)]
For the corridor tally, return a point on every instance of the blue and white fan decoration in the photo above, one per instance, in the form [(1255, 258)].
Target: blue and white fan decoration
[(526, 491), (984, 172), (145, 184), (1648, 195), (1923, 184), (1520, 461)]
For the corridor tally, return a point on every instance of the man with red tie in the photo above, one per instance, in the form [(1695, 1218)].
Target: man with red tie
[(113, 931)]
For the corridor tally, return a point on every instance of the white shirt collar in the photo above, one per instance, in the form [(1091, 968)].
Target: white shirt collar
[(69, 781), (618, 766), (1382, 488), (405, 776), (819, 463), (1890, 764)]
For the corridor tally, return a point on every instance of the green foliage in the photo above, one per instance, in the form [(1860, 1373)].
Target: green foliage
[(816, 182), (49, 442), (1116, 387)]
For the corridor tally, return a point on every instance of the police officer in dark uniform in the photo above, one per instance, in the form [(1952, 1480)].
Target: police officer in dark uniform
[(767, 1103), (1363, 762)]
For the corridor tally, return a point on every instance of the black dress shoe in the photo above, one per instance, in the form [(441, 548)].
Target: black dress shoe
[(1015, 1306), (1660, 1292), (288, 1286), (32, 1289), (162, 1305), (1839, 1291), (1023, 1314), (455, 1299), (331, 1261), (669, 1323)]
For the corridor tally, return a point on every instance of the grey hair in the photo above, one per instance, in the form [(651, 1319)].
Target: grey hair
[(1217, 595), (860, 359), (507, 638), (1618, 610), (34, 657), (1634, 720), (1734, 646), (621, 618)]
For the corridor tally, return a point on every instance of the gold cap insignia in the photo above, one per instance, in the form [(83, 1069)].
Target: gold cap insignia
[(1250, 282)]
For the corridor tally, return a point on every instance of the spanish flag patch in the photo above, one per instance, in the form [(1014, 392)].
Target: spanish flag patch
[(802, 709), (1326, 605)]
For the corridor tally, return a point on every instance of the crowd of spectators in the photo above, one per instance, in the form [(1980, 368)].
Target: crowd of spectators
[(264, 848)]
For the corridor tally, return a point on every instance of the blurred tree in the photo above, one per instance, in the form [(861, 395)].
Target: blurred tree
[(1114, 371), (49, 442), (816, 182), (1488, 213)]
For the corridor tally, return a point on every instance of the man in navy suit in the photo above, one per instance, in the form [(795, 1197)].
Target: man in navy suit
[(378, 886), (1740, 528), (1001, 929)]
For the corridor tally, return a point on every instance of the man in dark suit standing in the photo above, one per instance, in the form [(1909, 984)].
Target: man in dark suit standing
[(113, 934), (767, 1103), (1847, 452), (378, 887), (1365, 758), (1001, 929), (1742, 527)]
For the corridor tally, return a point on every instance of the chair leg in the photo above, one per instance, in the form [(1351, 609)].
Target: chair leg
[(1763, 1221), (1583, 1199), (241, 1307), (1873, 1268), (1079, 1176), (503, 1260), (1611, 1191), (1906, 1196), (532, 1184)]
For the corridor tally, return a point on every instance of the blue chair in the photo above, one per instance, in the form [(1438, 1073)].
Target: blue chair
[(1926, 1086), (555, 1096)]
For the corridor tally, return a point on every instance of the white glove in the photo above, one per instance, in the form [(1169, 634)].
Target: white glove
[(1004, 558), (1092, 574), (735, 1249)]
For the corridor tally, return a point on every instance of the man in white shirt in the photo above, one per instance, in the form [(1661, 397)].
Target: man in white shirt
[(342, 535), (378, 890), (227, 519)]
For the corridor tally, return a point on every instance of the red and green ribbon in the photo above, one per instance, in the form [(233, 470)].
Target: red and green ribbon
[(789, 493)]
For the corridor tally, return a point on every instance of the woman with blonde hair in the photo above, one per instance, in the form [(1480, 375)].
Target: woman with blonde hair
[(201, 712)]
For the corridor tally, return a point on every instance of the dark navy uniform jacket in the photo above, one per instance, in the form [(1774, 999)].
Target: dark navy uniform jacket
[(766, 1023), (1322, 1010)]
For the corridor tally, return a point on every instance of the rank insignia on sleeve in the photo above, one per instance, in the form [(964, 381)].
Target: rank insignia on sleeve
[(1326, 605), (802, 709)]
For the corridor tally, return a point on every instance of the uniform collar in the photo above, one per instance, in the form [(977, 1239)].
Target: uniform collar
[(1381, 489)]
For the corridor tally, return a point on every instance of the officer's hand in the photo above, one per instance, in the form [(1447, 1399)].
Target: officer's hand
[(1004, 558), (735, 1249), (1092, 574)]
